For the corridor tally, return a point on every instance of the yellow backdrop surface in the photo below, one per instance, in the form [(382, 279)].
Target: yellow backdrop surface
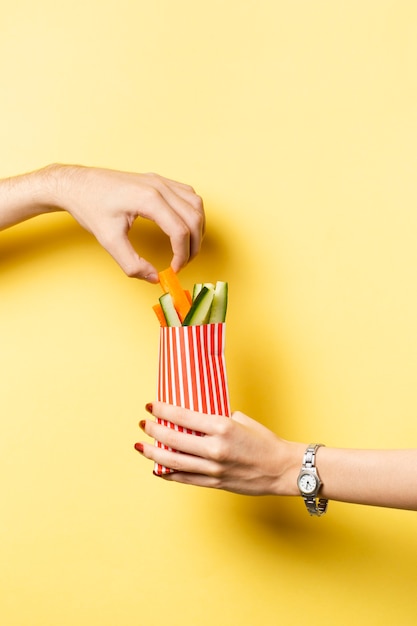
[(296, 122)]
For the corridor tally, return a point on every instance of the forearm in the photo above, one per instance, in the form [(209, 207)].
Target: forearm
[(28, 195), (375, 477)]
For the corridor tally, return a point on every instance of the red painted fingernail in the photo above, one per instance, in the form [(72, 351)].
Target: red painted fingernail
[(149, 407), (142, 424), (139, 447)]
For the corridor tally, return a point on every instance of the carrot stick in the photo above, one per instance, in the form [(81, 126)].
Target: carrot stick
[(171, 284), (160, 314)]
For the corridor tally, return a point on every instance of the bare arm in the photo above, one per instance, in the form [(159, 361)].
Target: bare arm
[(242, 456), (106, 203)]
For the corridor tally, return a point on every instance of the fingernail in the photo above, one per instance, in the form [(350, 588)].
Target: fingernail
[(149, 407), (139, 447), (152, 278), (142, 424)]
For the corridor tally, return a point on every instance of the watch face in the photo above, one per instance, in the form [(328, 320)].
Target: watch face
[(307, 483)]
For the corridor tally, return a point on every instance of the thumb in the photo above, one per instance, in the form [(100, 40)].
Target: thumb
[(247, 421)]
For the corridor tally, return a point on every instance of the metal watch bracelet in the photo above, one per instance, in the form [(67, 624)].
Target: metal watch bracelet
[(309, 482)]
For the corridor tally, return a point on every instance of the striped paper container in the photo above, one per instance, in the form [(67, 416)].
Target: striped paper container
[(192, 373)]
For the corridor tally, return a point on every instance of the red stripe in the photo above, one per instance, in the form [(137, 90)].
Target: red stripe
[(218, 368), (194, 372), (215, 358), (174, 365), (221, 362), (164, 386), (201, 369), (210, 369), (207, 390), (217, 381), (184, 350), (168, 387), (158, 387)]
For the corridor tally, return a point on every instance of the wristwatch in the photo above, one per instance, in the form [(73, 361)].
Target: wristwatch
[(309, 482)]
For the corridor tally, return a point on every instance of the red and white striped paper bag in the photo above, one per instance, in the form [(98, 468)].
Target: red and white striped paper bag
[(192, 372)]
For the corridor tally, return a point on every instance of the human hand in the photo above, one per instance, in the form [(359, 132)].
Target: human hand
[(240, 455), (236, 454), (107, 202)]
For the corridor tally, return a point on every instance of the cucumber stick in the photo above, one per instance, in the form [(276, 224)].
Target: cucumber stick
[(199, 312), (198, 287), (196, 290), (167, 306), (219, 304)]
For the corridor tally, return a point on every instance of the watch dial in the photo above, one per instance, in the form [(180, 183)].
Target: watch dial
[(307, 483)]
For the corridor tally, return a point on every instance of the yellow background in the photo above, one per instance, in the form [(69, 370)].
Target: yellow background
[(296, 121)]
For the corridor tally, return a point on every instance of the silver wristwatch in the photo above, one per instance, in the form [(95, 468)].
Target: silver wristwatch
[(309, 482)]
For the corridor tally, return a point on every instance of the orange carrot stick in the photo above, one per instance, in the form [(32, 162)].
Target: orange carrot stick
[(170, 283), (160, 314)]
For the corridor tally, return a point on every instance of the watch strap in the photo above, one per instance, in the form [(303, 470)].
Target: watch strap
[(315, 506)]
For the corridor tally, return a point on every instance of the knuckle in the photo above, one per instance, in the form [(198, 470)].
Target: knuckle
[(197, 220), (131, 271), (224, 426), (152, 176), (219, 451), (197, 202), (217, 477), (152, 194), (132, 267), (182, 232), (216, 483), (175, 462)]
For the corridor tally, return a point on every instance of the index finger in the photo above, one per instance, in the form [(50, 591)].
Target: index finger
[(186, 418), (182, 218)]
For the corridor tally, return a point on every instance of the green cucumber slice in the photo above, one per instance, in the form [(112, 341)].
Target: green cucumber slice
[(196, 290), (198, 287), (199, 312), (169, 311), (219, 304)]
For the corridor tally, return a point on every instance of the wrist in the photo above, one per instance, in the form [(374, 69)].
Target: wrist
[(291, 458), (27, 195), (66, 186), (51, 187)]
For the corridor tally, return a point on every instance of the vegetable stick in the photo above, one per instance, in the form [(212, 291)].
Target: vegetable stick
[(169, 310), (219, 306), (160, 314), (200, 310), (170, 284)]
